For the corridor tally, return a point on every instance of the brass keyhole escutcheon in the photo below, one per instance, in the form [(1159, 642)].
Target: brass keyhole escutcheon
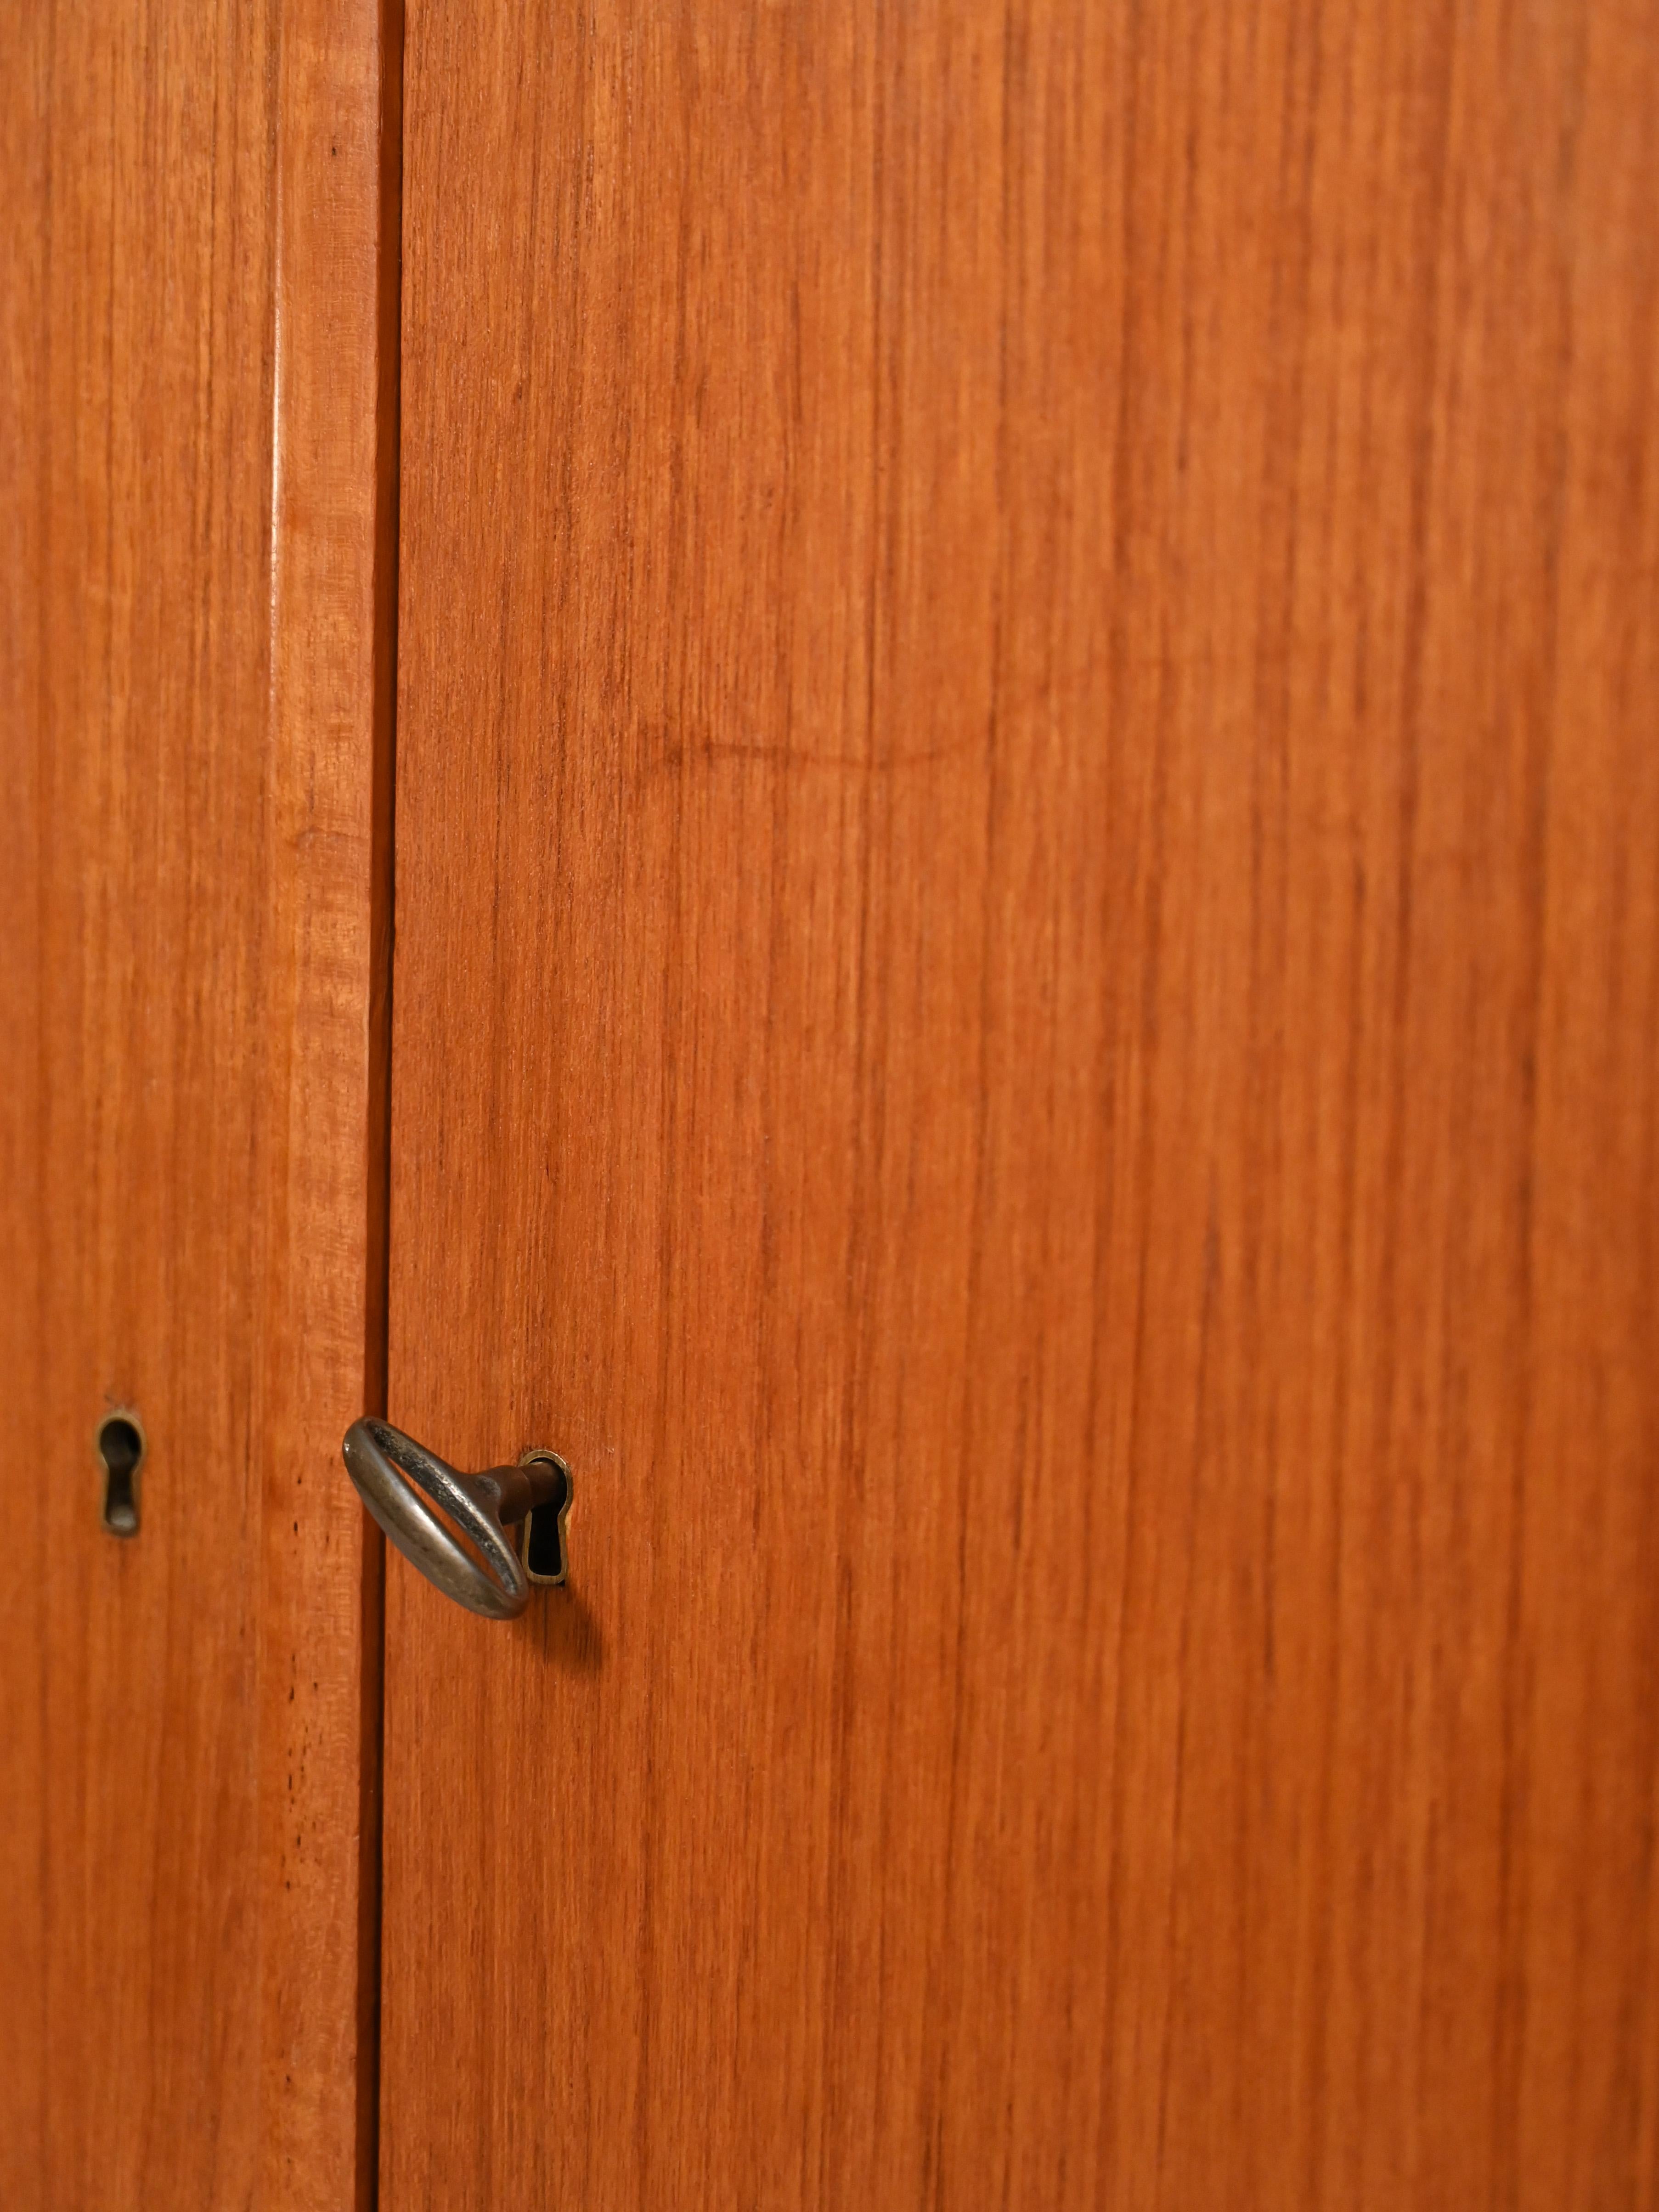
[(120, 1443), (546, 1558)]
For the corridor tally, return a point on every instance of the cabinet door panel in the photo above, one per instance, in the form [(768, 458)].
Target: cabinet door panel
[(189, 661), (1025, 1025)]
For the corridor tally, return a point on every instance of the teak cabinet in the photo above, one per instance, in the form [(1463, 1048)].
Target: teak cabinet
[(897, 770)]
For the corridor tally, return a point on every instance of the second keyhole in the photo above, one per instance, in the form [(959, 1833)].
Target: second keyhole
[(121, 1448)]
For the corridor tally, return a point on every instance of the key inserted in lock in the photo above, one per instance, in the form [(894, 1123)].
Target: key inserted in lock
[(461, 1530)]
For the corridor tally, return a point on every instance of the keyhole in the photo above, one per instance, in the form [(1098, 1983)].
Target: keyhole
[(121, 1447), (545, 1559)]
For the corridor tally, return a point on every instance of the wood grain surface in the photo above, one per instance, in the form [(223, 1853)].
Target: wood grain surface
[(192, 298), (328, 950), (1025, 1023)]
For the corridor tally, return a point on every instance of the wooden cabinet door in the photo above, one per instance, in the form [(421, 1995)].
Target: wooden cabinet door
[(194, 634), (1024, 1023)]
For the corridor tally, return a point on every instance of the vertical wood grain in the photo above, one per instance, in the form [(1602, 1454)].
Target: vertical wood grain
[(188, 674), (22, 1596), (1026, 1025), (328, 869)]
